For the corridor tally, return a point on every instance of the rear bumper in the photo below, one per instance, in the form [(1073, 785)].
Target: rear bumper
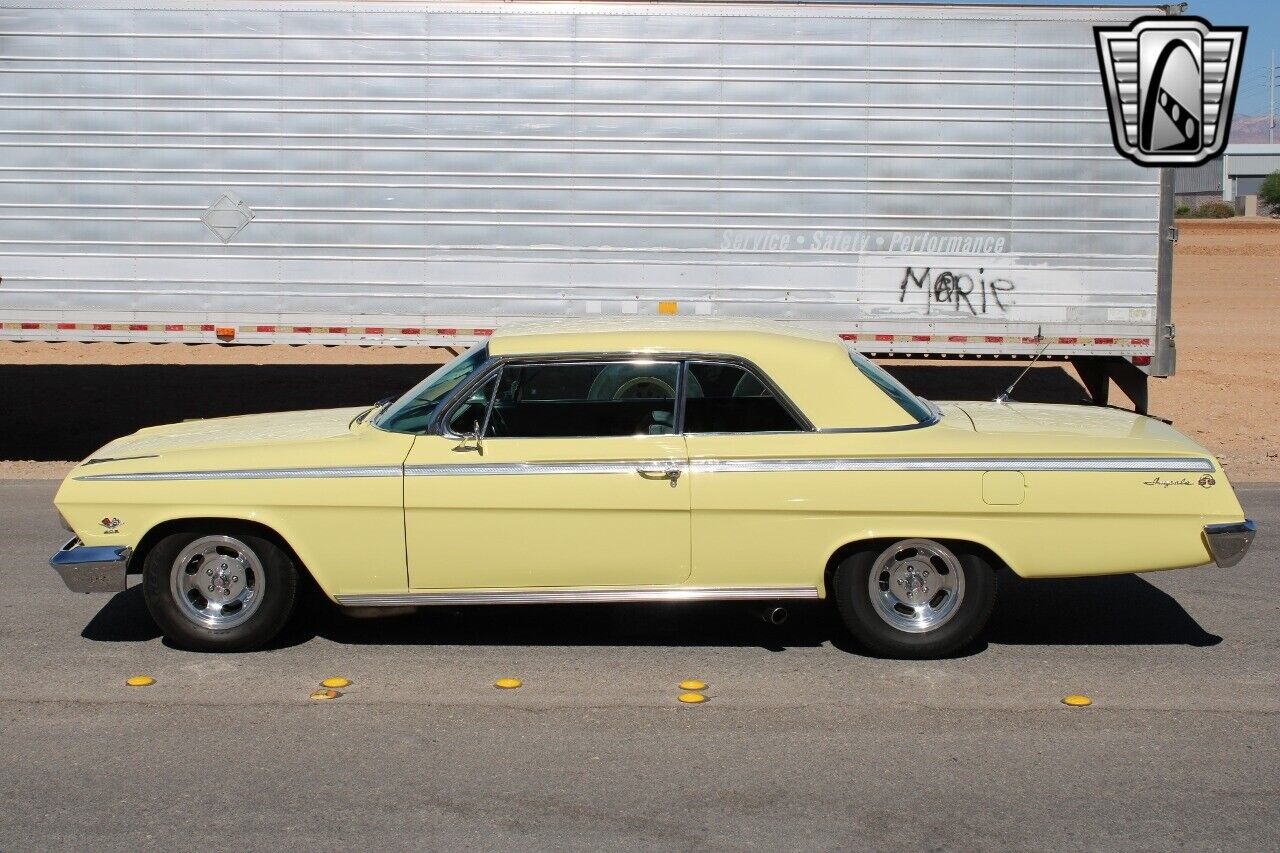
[(91, 569), (1228, 543)]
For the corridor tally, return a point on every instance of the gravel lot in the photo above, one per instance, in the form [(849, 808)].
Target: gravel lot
[(804, 744)]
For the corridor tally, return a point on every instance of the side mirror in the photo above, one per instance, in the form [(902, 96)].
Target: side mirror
[(476, 444)]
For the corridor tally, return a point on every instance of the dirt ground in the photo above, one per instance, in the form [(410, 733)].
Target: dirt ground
[(1225, 394)]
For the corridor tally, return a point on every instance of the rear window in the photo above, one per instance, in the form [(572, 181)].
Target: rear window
[(910, 403)]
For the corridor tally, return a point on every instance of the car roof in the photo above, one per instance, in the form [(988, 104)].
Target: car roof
[(812, 368)]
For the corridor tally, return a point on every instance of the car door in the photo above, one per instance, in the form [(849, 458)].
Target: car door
[(574, 476)]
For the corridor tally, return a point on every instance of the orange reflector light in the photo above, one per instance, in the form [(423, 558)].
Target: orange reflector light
[(226, 333), (667, 308)]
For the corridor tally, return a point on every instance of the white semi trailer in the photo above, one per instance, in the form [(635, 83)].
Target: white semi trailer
[(920, 179)]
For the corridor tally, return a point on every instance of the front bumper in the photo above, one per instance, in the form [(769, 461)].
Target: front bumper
[(91, 569), (1228, 543)]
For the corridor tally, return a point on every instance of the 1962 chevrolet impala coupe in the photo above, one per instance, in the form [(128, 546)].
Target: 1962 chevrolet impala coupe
[(643, 461)]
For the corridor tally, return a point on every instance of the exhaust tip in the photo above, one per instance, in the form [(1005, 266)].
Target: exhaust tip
[(775, 615)]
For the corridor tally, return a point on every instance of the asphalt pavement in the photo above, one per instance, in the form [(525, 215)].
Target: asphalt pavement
[(805, 743)]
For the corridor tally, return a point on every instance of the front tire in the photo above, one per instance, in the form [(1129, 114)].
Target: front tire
[(219, 590), (916, 598)]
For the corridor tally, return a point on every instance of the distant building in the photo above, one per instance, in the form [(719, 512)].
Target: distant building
[(1235, 177)]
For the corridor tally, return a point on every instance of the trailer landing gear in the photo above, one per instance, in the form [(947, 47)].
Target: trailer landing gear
[(1097, 372)]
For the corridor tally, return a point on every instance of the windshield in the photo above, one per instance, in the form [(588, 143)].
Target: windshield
[(412, 412), (913, 405)]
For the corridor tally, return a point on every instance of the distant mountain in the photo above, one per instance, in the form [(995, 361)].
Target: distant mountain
[(1251, 129)]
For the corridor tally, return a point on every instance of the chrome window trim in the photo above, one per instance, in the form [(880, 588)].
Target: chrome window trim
[(767, 381), (446, 400), (682, 377), (933, 420), (581, 595), (496, 363), (453, 405), (438, 425)]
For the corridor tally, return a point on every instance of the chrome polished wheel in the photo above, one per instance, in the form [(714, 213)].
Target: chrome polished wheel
[(217, 581), (916, 585)]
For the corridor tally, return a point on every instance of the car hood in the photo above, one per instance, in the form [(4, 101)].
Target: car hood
[(274, 428)]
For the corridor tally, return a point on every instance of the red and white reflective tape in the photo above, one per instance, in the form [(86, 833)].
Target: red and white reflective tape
[(217, 331), (230, 331), (1021, 340)]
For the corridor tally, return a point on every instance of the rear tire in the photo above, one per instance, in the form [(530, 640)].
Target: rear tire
[(220, 589), (916, 598)]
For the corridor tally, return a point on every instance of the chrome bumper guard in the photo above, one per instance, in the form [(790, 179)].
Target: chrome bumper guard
[(91, 569), (1228, 543)]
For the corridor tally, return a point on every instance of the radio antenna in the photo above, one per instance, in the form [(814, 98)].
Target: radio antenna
[(1004, 396)]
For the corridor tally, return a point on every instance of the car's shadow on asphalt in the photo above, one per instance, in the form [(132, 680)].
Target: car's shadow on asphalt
[(123, 619), (1121, 610)]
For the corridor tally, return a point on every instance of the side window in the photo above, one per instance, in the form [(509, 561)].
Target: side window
[(729, 398), (584, 399)]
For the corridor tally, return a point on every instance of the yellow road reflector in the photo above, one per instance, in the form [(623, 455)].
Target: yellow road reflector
[(1076, 700), (507, 683), (692, 698), (336, 681), (668, 307), (693, 684), (325, 694), (139, 681)]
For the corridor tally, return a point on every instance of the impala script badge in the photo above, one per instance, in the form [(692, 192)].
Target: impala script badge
[(1171, 87), (1158, 481)]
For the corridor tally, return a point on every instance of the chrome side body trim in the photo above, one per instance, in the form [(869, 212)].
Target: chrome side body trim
[(1133, 464), (98, 568), (504, 469), (256, 474), (1228, 543), (1118, 464), (583, 595)]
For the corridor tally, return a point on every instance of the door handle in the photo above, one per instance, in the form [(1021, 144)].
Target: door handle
[(668, 474)]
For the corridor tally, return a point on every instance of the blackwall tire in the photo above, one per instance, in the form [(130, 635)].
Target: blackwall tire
[(915, 598), (219, 589)]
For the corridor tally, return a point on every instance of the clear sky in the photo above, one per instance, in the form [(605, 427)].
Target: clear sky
[(1262, 17)]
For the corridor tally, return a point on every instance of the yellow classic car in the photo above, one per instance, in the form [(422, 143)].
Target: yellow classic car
[(644, 460)]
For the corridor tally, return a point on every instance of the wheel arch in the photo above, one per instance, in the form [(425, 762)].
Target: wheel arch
[(203, 522), (877, 543)]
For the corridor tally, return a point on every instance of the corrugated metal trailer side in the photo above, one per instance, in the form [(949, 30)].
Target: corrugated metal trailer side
[(925, 179)]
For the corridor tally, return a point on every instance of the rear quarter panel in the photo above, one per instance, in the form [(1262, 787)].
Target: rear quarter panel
[(782, 527)]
